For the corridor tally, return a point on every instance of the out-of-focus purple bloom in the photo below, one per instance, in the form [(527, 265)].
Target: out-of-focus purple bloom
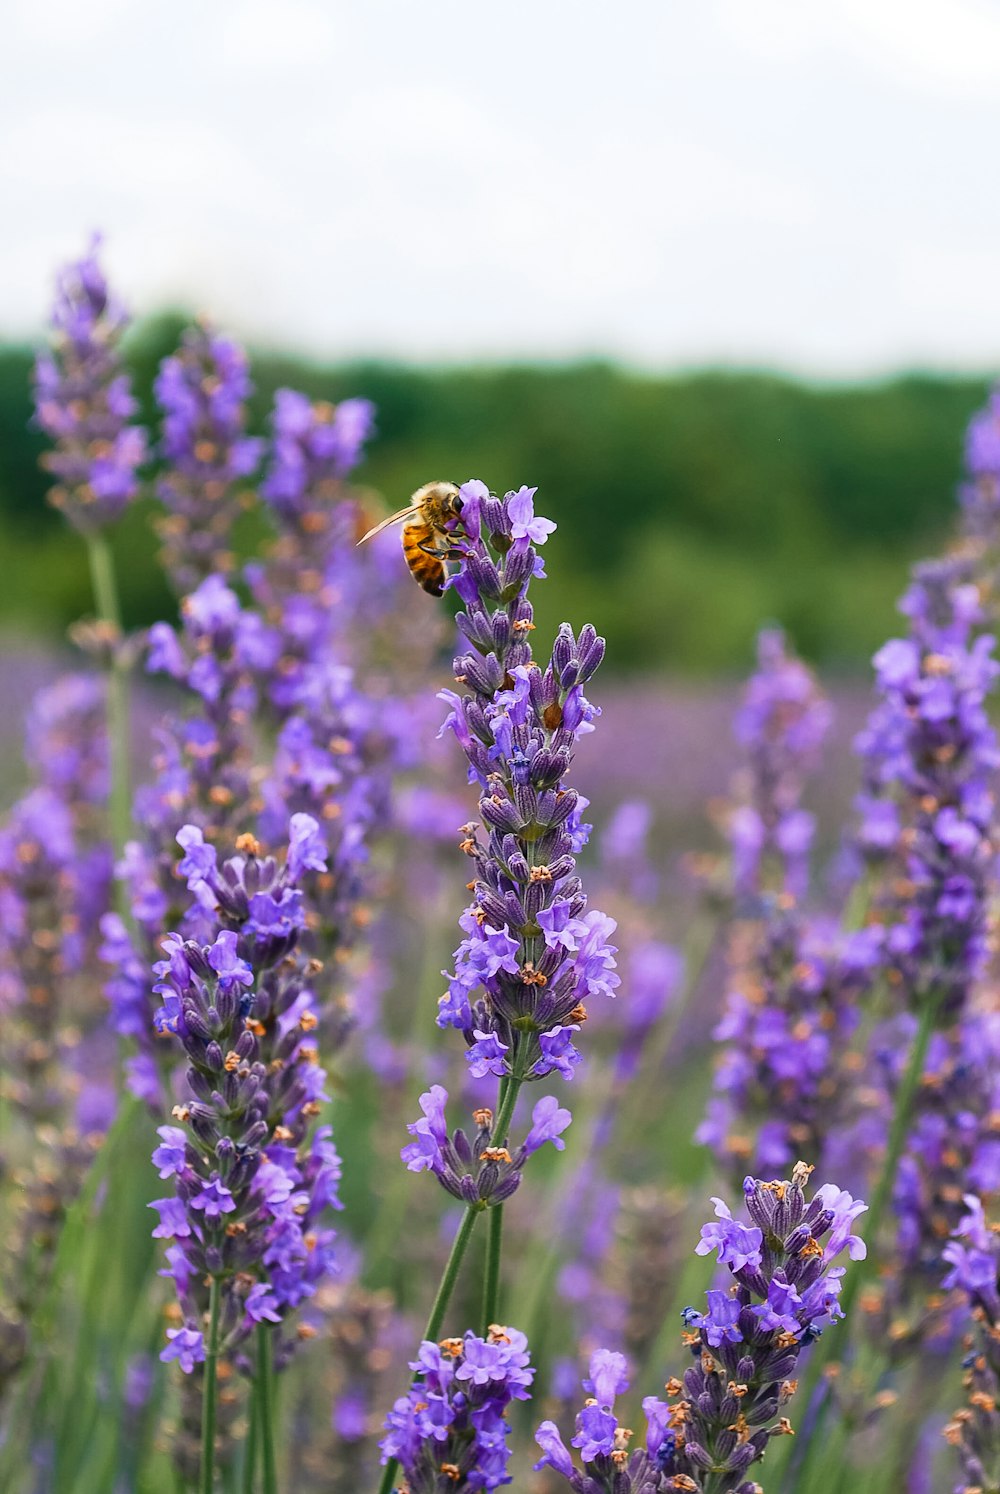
[(781, 727), (83, 401), (783, 1081), (202, 390), (974, 1431), (930, 756)]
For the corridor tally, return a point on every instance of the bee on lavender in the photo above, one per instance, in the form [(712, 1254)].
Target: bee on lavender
[(428, 533)]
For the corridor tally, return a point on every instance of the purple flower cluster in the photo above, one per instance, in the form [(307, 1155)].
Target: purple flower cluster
[(66, 741), (307, 586), (974, 1257), (338, 743), (980, 493), (84, 401), (253, 1179), (533, 954), (786, 1074), (953, 1144), (781, 727), (223, 659), (450, 1431), (202, 391), (314, 448), (745, 1346), (205, 775), (481, 1170), (54, 883), (930, 755), (55, 870)]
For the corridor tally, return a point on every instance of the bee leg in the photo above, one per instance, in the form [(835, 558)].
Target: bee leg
[(441, 552)]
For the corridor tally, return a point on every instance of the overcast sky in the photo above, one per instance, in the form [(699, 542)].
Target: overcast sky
[(806, 183)]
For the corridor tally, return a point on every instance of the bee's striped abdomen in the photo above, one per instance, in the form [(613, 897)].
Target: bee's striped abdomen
[(426, 567)]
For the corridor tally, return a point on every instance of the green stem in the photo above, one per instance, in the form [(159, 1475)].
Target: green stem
[(102, 576), (250, 1450), (509, 1090), (491, 1277), (800, 1469), (209, 1398), (444, 1291), (265, 1401)]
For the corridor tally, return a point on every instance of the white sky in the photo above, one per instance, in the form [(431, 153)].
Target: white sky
[(807, 183)]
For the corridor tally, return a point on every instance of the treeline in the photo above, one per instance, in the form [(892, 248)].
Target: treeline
[(691, 507)]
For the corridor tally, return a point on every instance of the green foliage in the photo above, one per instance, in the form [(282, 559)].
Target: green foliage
[(692, 507)]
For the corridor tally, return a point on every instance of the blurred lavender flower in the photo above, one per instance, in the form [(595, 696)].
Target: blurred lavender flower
[(980, 493), (531, 947), (44, 896), (781, 727), (312, 579), (785, 1079), (930, 755), (253, 1179), (953, 1144), (83, 401), (974, 1257), (347, 664), (202, 391), (205, 775), (65, 739), (720, 1417), (450, 1431)]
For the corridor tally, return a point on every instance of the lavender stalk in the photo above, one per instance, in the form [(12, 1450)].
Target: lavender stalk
[(532, 954), (719, 1418), (84, 401)]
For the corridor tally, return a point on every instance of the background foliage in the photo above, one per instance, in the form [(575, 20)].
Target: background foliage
[(702, 503)]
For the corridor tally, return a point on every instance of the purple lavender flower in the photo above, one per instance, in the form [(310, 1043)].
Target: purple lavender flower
[(953, 1143), (450, 1430), (532, 955), (719, 1418), (66, 740), (784, 1078), (980, 493), (974, 1431), (315, 446), (781, 727), (482, 1170), (49, 887), (202, 390), (204, 776), (930, 755), (253, 1180), (83, 401)]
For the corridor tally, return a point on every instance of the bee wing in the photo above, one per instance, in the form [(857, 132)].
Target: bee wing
[(404, 513)]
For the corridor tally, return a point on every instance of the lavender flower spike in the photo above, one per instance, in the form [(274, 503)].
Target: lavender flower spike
[(533, 954), (83, 401), (931, 756), (253, 1181), (450, 1431), (781, 726), (745, 1346), (202, 390), (974, 1257)]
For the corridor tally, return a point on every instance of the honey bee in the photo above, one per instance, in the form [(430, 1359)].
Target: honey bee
[(427, 541)]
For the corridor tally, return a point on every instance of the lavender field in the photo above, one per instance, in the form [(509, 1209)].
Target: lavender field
[(430, 1067)]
